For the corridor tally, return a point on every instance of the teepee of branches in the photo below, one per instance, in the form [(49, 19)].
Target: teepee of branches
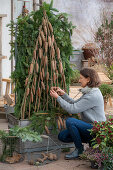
[(45, 71)]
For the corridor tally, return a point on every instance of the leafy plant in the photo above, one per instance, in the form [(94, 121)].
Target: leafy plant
[(75, 76), (49, 120), (10, 138), (102, 133), (25, 133), (106, 90), (101, 158), (26, 31), (107, 158), (110, 72)]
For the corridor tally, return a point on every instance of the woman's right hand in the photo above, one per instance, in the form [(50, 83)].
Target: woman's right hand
[(58, 90)]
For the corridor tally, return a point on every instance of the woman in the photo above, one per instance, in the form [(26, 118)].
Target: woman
[(90, 106)]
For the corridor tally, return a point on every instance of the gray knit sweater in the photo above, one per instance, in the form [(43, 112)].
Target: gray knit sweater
[(90, 105)]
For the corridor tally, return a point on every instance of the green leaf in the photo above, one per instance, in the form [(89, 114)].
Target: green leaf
[(51, 4), (96, 146), (103, 143)]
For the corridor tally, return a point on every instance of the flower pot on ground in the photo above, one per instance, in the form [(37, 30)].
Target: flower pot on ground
[(94, 165), (90, 50), (100, 159)]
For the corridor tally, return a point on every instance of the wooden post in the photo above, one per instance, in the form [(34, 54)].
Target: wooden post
[(34, 5), (11, 39), (110, 102), (40, 2), (105, 104), (1, 57)]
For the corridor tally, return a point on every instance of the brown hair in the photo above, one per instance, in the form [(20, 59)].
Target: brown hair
[(93, 75)]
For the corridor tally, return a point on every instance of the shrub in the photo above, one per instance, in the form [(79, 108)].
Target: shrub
[(75, 77), (103, 134), (106, 90)]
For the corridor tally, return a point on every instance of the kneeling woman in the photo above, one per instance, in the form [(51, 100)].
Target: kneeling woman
[(90, 106)]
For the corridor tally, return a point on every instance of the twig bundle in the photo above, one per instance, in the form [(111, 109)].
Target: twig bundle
[(45, 71)]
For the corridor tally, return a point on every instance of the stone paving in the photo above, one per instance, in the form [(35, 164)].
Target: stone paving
[(60, 164)]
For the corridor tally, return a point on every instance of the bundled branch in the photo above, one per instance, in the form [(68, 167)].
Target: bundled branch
[(45, 71)]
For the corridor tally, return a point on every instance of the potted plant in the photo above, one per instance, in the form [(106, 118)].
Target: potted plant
[(107, 92), (100, 159), (101, 152)]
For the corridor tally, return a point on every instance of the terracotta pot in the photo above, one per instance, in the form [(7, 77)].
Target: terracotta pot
[(88, 53), (90, 50), (94, 165)]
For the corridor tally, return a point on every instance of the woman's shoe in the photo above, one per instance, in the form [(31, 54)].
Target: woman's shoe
[(75, 154)]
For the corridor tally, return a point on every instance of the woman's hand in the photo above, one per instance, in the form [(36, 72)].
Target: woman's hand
[(59, 91), (53, 94)]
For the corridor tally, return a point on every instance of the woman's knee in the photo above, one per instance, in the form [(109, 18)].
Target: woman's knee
[(60, 136), (69, 121), (63, 135)]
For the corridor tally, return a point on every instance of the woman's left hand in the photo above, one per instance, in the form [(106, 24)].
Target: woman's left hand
[(53, 94)]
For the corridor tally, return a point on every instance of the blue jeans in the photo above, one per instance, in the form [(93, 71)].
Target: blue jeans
[(77, 132)]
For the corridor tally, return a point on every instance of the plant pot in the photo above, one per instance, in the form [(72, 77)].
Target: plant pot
[(12, 121), (88, 53), (85, 63), (90, 50), (94, 165), (102, 167)]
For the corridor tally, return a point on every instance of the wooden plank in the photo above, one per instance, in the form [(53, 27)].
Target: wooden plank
[(0, 55), (6, 80), (3, 15), (3, 57), (104, 79), (7, 88), (0, 36)]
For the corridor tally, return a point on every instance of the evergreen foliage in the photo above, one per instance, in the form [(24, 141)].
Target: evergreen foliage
[(26, 31)]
